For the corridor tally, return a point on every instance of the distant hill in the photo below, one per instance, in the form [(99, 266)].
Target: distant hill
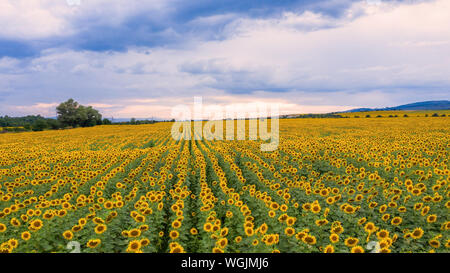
[(424, 105)]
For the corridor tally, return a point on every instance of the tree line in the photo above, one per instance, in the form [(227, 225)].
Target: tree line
[(70, 114)]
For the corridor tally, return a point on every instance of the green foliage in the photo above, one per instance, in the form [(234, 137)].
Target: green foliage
[(106, 121), (23, 124), (39, 125), (71, 113), (7, 121)]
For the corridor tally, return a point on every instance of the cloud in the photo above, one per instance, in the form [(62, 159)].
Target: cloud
[(44, 109), (304, 56), (18, 19)]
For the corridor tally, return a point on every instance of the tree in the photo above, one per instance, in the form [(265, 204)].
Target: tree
[(70, 113), (39, 125), (106, 121), (67, 113), (54, 124), (88, 116)]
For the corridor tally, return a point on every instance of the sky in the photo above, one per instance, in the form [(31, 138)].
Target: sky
[(131, 58)]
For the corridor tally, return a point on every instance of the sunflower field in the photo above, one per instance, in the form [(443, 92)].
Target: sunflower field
[(333, 185)]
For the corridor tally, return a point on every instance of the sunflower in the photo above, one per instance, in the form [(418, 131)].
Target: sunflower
[(68, 235), (385, 250), (143, 227), (445, 225), (238, 239), (300, 235), (134, 246), (35, 225), (207, 227), (309, 239), (425, 210), (315, 208), (140, 218), (145, 242), (82, 222), (174, 234), (249, 231), (321, 222), (217, 250), (134, 233), (290, 221), (328, 249), (417, 233), (396, 221), (384, 244), (176, 224), (289, 231), (351, 241), (283, 217), (23, 217), (99, 229), (215, 228), (418, 206), (224, 232), (349, 209), (382, 234), (229, 214), (369, 227), (2, 227), (337, 229), (26, 235), (361, 221), (431, 218), (15, 222), (193, 231), (93, 243), (76, 228), (434, 243), (357, 249), (334, 238), (269, 239), (13, 243)]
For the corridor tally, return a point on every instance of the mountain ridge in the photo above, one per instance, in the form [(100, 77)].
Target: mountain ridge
[(422, 105)]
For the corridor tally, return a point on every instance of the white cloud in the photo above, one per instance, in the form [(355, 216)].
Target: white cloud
[(44, 109), (37, 19), (18, 19)]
